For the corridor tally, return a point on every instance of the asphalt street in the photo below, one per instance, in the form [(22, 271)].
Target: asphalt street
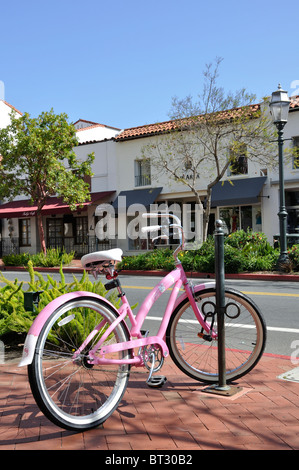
[(278, 301)]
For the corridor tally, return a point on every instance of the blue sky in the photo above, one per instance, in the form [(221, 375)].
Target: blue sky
[(121, 62)]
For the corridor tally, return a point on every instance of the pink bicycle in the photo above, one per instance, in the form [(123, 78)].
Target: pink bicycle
[(80, 348)]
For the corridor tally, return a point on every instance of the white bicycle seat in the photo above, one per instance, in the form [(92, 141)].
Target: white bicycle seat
[(99, 256)]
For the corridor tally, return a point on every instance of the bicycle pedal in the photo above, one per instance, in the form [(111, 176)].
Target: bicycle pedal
[(156, 381)]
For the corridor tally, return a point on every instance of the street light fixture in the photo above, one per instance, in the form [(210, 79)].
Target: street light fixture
[(279, 108)]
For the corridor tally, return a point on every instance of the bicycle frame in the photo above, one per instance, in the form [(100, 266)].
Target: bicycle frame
[(176, 277), (97, 354)]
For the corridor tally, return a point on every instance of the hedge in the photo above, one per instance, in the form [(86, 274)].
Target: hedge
[(15, 321), (54, 257), (244, 251)]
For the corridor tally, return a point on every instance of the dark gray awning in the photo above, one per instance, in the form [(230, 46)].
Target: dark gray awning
[(143, 197), (237, 192)]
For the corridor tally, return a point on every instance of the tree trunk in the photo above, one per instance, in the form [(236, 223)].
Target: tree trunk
[(41, 232), (206, 215), (200, 205)]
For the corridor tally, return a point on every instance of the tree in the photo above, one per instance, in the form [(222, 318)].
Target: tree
[(210, 136), (38, 161)]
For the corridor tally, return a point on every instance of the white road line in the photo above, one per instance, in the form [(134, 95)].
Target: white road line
[(236, 325)]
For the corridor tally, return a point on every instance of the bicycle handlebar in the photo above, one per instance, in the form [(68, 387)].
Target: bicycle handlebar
[(151, 228), (155, 215), (154, 228)]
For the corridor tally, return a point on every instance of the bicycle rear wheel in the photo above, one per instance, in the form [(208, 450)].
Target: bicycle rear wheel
[(73, 393), (245, 337)]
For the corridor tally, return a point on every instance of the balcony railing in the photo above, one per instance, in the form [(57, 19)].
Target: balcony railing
[(11, 245), (89, 245), (142, 180)]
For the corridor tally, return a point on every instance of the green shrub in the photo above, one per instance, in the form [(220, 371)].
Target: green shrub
[(14, 320), (294, 257), (250, 242), (234, 260), (243, 251), (157, 259), (188, 259), (261, 263), (54, 257), (204, 257), (16, 259), (257, 253)]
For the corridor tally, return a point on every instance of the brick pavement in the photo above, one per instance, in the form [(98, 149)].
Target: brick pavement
[(180, 416)]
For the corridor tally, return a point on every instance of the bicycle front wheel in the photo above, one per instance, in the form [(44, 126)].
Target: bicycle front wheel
[(72, 392), (197, 355)]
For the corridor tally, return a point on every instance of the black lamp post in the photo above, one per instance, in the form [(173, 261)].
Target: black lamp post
[(279, 108)]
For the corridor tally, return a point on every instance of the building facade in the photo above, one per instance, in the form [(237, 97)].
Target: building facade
[(247, 197), (124, 184), (73, 231)]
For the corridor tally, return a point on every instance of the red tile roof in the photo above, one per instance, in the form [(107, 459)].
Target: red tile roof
[(90, 127), (12, 107), (92, 124), (294, 102), (168, 126), (147, 130), (87, 122)]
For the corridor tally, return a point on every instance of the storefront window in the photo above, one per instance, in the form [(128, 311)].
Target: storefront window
[(54, 233), (67, 231), (230, 217), (241, 218), (81, 229), (25, 232), (293, 221), (292, 206)]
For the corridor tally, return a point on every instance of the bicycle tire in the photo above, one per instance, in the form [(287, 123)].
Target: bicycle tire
[(245, 337), (77, 395)]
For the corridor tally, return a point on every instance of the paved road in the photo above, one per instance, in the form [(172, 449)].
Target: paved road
[(279, 302)]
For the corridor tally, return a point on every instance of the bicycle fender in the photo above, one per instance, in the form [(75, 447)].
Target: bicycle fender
[(196, 288), (42, 317)]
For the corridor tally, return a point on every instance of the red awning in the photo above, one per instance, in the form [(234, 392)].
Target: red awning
[(54, 205)]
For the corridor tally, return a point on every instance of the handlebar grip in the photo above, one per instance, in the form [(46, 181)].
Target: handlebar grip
[(155, 215), (150, 214), (151, 228)]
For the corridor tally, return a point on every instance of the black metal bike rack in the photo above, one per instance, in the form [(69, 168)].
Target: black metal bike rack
[(222, 388), (31, 300)]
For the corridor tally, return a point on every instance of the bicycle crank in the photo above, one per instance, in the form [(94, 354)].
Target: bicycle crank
[(153, 360)]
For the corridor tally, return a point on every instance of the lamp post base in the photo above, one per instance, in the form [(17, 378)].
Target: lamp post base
[(226, 391), (284, 263)]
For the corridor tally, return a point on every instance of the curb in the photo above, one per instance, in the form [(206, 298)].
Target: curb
[(190, 274), (244, 276), (66, 269)]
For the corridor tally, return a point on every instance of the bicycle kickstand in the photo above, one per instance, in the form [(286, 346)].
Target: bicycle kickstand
[(155, 381)]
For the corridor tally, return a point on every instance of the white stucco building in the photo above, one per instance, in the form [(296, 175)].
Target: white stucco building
[(248, 199), (120, 174), (63, 228)]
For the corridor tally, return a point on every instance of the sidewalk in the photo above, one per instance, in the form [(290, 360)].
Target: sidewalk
[(177, 417), (180, 416)]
